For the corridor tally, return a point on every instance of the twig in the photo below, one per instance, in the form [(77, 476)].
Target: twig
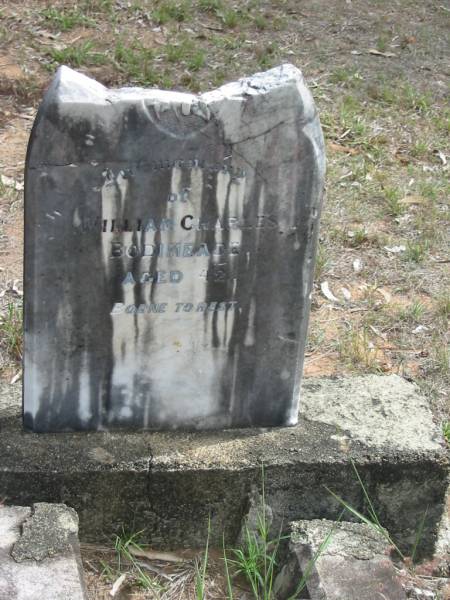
[(219, 29), (318, 357), (155, 555), (27, 117)]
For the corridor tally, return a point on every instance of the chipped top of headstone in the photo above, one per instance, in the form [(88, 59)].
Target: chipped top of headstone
[(74, 87), (86, 102), (345, 539), (49, 531)]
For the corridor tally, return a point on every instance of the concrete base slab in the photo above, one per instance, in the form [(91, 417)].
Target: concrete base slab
[(39, 553), (339, 561), (169, 483)]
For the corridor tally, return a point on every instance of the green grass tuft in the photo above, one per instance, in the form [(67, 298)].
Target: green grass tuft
[(11, 332)]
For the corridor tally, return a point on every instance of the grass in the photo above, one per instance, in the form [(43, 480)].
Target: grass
[(412, 313), (79, 55), (372, 520), (210, 5), (128, 564), (358, 350), (394, 206), (440, 356), (256, 559), (251, 566), (446, 431), (416, 251), (168, 10), (322, 260), (229, 17), (442, 306), (11, 331), (66, 19), (136, 62), (357, 238), (200, 569)]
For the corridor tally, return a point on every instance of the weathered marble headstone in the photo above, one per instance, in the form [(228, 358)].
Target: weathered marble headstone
[(169, 254)]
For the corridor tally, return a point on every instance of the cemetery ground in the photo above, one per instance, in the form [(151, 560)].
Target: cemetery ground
[(378, 74)]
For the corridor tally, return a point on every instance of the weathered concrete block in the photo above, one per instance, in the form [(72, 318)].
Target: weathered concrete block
[(340, 561), (39, 553), (169, 483)]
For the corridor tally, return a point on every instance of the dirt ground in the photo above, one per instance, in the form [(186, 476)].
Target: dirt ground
[(379, 73)]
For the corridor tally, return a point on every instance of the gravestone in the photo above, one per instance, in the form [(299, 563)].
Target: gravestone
[(169, 254)]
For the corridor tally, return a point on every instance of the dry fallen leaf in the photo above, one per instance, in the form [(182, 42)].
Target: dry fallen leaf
[(327, 292), (10, 182), (117, 585), (419, 329), (442, 157), (346, 293), (357, 265), (394, 249)]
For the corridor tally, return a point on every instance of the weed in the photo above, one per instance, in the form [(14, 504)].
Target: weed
[(219, 77), (256, 559), (382, 43), (373, 521), (261, 22), (66, 19), (443, 306), (227, 42), (392, 199), (413, 312), (341, 75), (428, 189), (412, 99), (358, 350), (229, 17), (200, 569), (174, 52), (197, 60), (419, 535), (78, 55), (171, 11), (11, 331), (265, 55), (135, 62), (210, 5), (357, 238), (124, 547), (96, 6), (446, 431), (441, 356), (25, 90), (416, 251), (419, 149), (190, 82), (321, 261)]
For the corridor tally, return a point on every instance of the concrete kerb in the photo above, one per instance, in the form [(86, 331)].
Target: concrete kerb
[(39, 553), (354, 564), (169, 483)]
